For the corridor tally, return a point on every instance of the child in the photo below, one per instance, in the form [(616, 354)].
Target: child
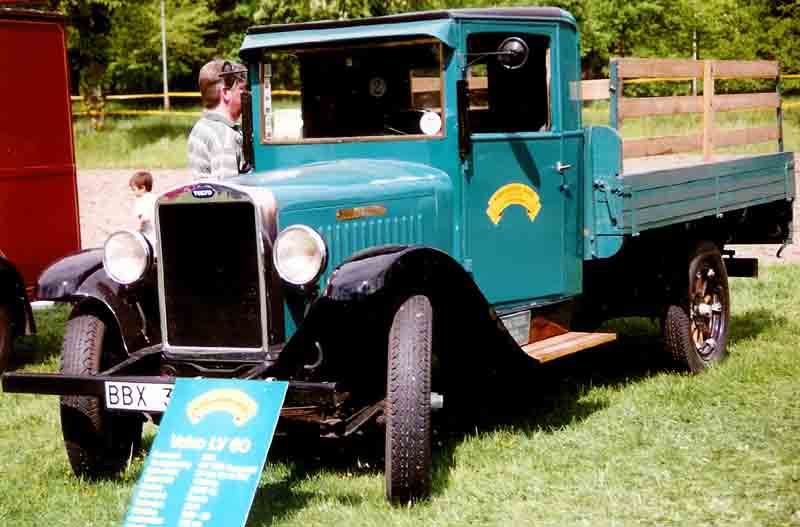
[(144, 206)]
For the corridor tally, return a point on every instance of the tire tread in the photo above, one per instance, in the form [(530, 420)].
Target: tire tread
[(408, 445)]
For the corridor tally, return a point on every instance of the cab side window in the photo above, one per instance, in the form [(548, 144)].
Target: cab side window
[(509, 100)]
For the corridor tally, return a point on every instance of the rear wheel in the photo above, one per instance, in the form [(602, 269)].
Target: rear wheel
[(696, 327), (6, 337), (408, 403), (99, 443)]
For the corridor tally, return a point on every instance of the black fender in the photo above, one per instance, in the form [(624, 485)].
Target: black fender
[(350, 320), (12, 293), (80, 279), (63, 277)]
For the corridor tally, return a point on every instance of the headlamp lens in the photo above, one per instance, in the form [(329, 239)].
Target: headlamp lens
[(126, 256), (299, 255)]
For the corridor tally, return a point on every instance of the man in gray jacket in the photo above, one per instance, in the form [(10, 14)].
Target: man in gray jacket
[(215, 142)]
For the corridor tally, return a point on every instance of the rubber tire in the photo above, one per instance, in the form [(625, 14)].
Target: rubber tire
[(408, 403), (6, 337), (99, 444), (677, 325)]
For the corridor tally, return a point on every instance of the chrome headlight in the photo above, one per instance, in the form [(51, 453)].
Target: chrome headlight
[(299, 255), (127, 256)]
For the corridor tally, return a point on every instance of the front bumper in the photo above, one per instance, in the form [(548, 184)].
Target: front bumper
[(323, 394)]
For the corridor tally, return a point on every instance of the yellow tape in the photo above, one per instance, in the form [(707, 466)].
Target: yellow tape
[(656, 79), (296, 93), (132, 96), (136, 112)]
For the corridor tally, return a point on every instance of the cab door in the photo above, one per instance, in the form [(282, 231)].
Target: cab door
[(519, 175)]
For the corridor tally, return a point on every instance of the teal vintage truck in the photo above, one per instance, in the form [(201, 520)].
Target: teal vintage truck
[(429, 213)]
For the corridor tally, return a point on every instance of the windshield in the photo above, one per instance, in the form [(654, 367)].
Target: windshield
[(391, 90)]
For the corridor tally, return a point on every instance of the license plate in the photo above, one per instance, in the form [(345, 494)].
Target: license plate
[(137, 396)]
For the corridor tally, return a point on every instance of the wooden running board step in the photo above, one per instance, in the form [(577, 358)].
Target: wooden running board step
[(566, 344)]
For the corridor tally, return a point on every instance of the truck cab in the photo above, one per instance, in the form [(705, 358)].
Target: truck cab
[(496, 188)]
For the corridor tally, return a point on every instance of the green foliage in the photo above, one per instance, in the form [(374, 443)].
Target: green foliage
[(135, 37), (89, 23), (122, 36)]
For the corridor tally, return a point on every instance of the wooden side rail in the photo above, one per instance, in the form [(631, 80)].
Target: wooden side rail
[(708, 104)]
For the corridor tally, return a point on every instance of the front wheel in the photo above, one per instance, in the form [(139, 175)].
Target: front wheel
[(696, 327), (408, 403), (99, 443)]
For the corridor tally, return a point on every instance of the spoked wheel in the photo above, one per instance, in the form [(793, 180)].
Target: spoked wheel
[(408, 403), (696, 330), (6, 337), (99, 443)]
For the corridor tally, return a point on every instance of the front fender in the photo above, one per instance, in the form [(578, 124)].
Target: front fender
[(352, 317), (63, 278), (80, 279)]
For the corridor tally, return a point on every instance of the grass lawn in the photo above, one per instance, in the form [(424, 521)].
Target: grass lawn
[(146, 141), (609, 437)]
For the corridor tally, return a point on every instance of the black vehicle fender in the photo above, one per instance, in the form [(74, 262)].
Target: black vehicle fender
[(352, 316), (12, 293), (80, 279), (63, 277)]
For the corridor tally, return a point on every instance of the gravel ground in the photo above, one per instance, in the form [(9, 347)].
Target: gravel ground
[(106, 202), (106, 205)]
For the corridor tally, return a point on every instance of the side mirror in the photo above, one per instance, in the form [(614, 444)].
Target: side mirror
[(462, 100), (513, 53)]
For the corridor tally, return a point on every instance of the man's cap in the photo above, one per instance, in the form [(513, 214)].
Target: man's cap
[(218, 70)]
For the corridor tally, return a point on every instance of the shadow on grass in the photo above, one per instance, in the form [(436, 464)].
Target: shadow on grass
[(751, 323), (542, 399), (307, 456), (539, 399), (46, 344)]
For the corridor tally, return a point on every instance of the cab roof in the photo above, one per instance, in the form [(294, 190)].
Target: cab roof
[(438, 24)]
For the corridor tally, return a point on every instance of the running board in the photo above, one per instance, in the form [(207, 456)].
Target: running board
[(566, 344)]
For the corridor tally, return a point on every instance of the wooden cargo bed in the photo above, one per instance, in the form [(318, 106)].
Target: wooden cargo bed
[(638, 165), (668, 179), (661, 191)]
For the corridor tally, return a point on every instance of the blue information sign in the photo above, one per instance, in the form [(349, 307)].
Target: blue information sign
[(207, 458)]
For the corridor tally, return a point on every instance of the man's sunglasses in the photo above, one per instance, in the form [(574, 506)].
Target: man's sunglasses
[(231, 73)]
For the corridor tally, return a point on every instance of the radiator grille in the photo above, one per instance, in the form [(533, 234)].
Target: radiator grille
[(209, 258)]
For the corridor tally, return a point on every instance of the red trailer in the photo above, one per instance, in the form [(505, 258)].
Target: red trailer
[(38, 190)]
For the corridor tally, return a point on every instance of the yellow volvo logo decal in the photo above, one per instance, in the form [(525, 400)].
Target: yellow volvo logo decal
[(235, 402), (513, 194)]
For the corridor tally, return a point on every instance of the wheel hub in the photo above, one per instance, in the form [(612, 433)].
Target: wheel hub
[(706, 311)]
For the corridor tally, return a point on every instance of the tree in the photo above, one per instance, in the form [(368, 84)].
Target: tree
[(135, 51), (88, 45)]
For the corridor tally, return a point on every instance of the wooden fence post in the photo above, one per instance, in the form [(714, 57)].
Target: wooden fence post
[(708, 109)]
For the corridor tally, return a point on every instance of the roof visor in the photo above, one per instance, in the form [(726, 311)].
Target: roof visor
[(441, 29)]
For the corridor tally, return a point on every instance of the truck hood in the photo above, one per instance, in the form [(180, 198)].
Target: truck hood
[(357, 203), (347, 182)]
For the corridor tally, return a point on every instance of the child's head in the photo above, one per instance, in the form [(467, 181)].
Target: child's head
[(141, 182)]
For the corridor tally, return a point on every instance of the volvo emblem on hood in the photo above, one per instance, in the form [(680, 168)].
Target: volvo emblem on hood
[(203, 192)]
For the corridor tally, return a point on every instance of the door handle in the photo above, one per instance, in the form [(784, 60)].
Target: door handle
[(560, 168)]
